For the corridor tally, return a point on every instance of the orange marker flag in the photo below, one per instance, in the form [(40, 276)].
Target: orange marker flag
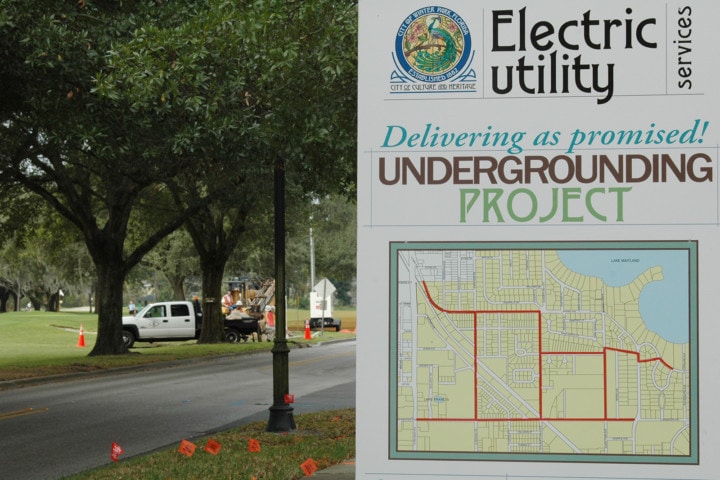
[(187, 448), (309, 467), (115, 451), (253, 446), (212, 446)]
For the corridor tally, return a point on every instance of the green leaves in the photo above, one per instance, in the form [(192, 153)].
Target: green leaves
[(114, 108)]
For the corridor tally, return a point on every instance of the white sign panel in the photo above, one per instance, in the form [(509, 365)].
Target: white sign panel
[(325, 287), (538, 230)]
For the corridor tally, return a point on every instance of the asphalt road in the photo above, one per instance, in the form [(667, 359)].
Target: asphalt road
[(51, 430)]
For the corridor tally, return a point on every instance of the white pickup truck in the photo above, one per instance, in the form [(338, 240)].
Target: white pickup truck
[(179, 320), (162, 322)]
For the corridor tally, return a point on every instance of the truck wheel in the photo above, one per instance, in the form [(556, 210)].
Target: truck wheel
[(337, 328), (128, 338), (232, 336)]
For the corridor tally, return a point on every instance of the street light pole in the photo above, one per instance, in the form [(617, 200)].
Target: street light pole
[(312, 261), (281, 413)]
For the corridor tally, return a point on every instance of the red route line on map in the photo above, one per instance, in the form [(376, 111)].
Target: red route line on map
[(604, 352)]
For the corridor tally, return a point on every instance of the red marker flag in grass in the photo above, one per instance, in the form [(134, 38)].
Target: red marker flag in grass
[(212, 446), (309, 467), (253, 446), (115, 451), (187, 448)]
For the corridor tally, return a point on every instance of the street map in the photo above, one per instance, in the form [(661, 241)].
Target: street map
[(502, 352)]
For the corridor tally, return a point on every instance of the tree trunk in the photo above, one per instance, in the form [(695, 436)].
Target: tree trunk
[(53, 303), (214, 246), (213, 330), (177, 282), (110, 279), (4, 295)]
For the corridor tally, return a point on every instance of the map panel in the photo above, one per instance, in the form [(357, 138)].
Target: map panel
[(502, 352)]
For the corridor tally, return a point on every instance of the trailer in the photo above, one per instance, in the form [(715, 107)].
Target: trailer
[(239, 330)]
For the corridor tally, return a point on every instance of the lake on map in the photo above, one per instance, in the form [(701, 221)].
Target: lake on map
[(664, 305)]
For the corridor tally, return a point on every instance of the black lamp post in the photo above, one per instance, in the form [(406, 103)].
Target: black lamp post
[(281, 413)]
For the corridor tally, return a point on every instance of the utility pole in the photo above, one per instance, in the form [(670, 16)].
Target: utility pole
[(312, 261), (281, 413)]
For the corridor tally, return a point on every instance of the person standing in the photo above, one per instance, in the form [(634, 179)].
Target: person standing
[(270, 316), (228, 302), (196, 305), (131, 308)]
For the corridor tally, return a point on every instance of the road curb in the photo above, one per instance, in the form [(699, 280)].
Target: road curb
[(342, 471)]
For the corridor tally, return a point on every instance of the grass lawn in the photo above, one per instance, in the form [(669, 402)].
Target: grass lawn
[(37, 344), (324, 438)]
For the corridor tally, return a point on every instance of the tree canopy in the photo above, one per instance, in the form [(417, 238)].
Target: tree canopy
[(242, 90), (171, 113)]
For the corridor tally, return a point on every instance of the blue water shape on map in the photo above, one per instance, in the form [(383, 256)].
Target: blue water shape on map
[(664, 305)]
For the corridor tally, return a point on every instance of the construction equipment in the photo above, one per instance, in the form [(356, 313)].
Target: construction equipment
[(254, 294), (252, 297)]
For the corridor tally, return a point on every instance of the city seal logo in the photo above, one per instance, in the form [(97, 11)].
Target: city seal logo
[(433, 45)]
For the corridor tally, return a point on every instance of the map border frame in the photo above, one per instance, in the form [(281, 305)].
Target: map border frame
[(395, 247)]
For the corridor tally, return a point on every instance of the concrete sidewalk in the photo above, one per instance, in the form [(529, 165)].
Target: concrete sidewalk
[(341, 471)]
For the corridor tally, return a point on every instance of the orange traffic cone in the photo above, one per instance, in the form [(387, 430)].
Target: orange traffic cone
[(307, 330), (81, 339)]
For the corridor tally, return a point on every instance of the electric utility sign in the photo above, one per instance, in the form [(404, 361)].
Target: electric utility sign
[(537, 187), (544, 113)]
